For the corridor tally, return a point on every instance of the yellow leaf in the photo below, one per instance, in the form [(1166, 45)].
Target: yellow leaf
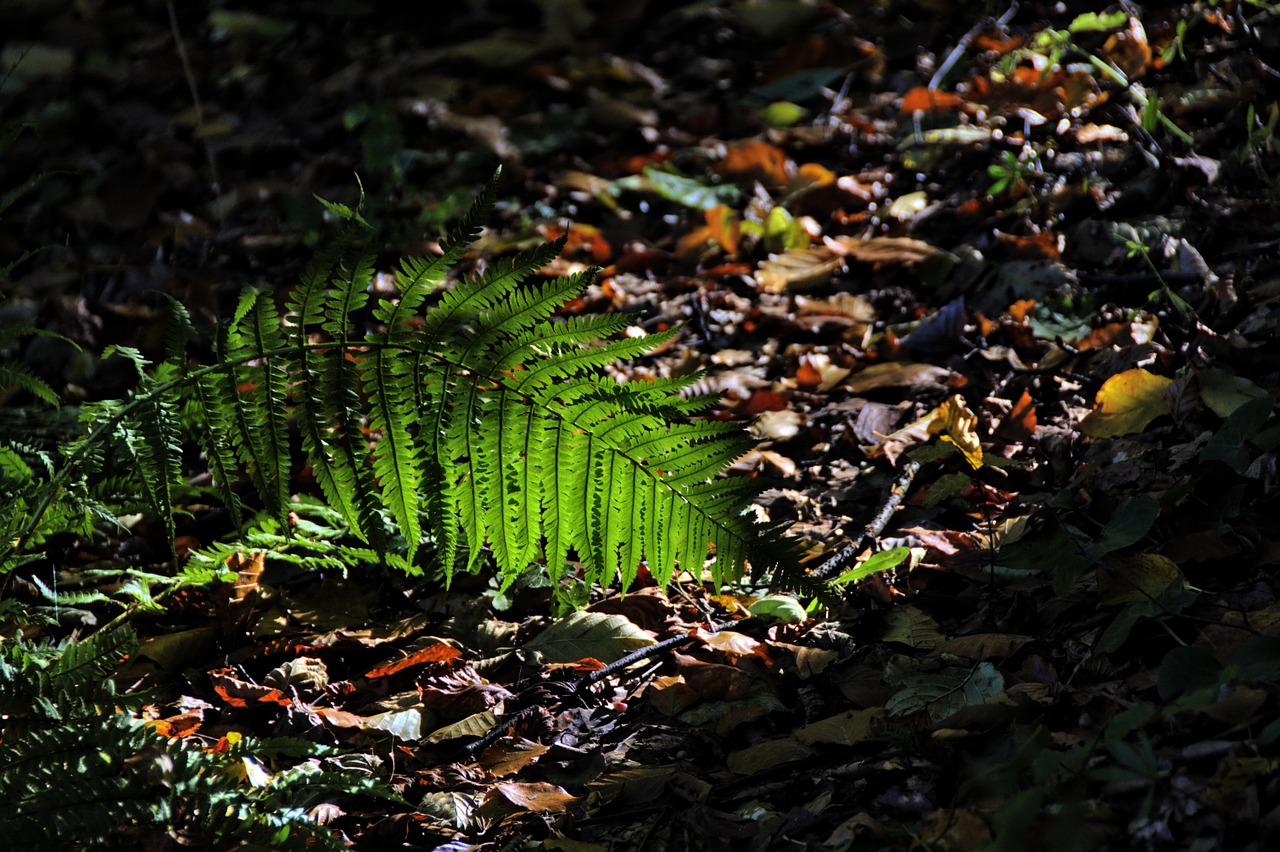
[(954, 422), (1138, 577), (1126, 403)]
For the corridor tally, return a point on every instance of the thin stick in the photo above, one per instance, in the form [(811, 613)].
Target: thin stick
[(845, 556), (965, 40), (195, 95)]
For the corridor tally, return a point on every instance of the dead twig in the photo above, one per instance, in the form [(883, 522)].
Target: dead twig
[(844, 557)]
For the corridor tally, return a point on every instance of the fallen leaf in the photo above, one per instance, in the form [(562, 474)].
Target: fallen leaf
[(590, 634), (1138, 577), (767, 755), (798, 269), (1126, 403), (538, 797), (847, 728), (925, 99), (757, 160), (904, 250), (437, 653), (954, 423), (895, 374)]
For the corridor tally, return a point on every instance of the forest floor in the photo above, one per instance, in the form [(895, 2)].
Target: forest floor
[(1035, 253)]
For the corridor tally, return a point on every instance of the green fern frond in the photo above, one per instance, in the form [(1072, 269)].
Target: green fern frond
[(328, 384), (213, 429), (21, 377), (256, 385), (479, 422), (425, 273)]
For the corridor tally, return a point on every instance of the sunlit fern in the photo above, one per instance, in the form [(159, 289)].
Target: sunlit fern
[(481, 423)]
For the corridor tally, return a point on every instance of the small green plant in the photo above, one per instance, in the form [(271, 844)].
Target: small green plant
[(477, 425), (1164, 292), (1012, 175)]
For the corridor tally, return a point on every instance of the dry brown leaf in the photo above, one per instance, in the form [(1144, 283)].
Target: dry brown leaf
[(904, 250), (797, 269), (895, 374)]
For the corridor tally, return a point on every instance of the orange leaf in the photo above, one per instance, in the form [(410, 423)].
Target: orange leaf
[(1020, 423), (1126, 403), (724, 227), (241, 693), (757, 160), (437, 653), (924, 99)]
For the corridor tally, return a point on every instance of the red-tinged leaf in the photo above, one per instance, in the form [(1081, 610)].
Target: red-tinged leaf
[(437, 653), (999, 43), (816, 372), (335, 717), (763, 400), (648, 609), (925, 99), (1039, 245), (538, 797), (726, 270), (583, 242), (1128, 50), (175, 727), (692, 244), (1126, 404), (242, 693), (1111, 334), (586, 664), (460, 693), (815, 175), (1020, 309)]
